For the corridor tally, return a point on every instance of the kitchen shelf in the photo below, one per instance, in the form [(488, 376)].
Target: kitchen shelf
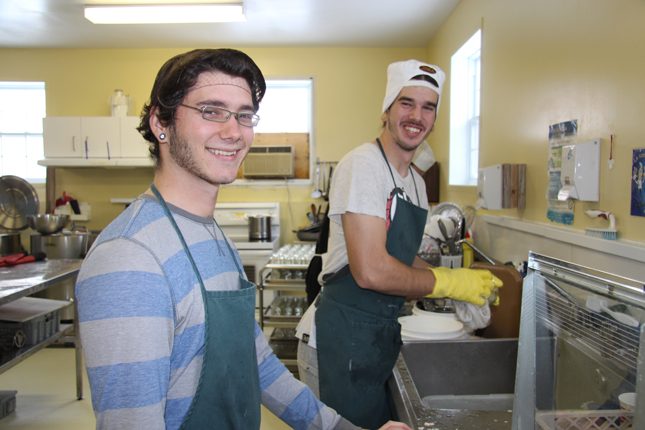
[(285, 348), (9, 359), (25, 279)]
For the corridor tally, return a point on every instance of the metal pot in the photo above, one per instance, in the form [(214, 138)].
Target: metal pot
[(9, 243), (60, 246), (260, 228)]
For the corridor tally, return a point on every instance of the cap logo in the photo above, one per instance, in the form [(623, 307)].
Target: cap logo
[(427, 69)]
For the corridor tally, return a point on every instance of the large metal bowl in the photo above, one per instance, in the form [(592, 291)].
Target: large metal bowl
[(47, 223)]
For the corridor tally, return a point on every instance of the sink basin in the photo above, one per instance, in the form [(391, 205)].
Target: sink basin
[(456, 383)]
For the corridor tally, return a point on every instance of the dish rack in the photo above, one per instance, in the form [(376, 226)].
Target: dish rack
[(584, 420), (574, 361)]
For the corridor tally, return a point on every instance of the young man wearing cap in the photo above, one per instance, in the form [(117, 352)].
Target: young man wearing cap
[(350, 339)]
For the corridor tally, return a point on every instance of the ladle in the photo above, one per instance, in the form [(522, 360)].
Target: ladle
[(317, 193)]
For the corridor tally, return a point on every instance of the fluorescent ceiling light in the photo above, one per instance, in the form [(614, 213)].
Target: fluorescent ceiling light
[(165, 13)]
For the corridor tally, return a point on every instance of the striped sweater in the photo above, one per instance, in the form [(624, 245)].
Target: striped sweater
[(142, 324)]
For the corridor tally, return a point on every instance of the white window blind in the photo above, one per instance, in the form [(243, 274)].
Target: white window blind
[(22, 109)]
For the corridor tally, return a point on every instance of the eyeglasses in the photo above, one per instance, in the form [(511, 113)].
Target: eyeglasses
[(218, 114)]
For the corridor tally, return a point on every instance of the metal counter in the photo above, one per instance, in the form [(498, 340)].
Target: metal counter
[(28, 278), (25, 279)]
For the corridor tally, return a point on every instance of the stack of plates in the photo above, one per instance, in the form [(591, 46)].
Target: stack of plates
[(429, 327)]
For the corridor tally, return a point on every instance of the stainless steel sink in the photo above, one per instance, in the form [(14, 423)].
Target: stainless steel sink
[(456, 383)]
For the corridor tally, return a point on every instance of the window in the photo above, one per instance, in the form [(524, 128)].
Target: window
[(286, 118), (465, 81), (282, 97), (22, 108)]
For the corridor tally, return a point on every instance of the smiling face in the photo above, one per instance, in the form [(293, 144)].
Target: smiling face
[(207, 151), (411, 117)]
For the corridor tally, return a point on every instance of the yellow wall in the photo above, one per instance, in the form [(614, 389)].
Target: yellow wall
[(350, 84), (544, 62)]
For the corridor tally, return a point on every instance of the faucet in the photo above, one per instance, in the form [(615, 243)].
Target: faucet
[(481, 254)]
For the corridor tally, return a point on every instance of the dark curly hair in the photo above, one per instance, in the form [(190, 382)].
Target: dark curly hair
[(179, 74)]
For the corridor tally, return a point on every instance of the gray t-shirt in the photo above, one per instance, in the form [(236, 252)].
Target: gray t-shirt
[(361, 184)]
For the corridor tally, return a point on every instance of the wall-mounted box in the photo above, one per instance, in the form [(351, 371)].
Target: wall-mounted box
[(489, 187), (580, 173), (502, 186)]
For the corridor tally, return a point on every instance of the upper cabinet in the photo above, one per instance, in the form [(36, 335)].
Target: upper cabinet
[(132, 143), (93, 141)]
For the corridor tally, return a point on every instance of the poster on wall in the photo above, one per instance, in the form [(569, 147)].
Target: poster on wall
[(564, 133), (638, 183)]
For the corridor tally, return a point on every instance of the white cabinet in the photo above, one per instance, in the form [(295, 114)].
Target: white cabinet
[(101, 136), (132, 143), (93, 141), (62, 137), (82, 137)]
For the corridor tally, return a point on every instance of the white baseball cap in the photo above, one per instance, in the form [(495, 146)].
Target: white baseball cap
[(399, 75)]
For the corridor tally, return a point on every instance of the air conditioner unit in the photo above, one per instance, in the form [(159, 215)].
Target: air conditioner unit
[(268, 162)]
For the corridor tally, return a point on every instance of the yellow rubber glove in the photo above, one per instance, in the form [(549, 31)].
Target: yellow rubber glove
[(465, 285)]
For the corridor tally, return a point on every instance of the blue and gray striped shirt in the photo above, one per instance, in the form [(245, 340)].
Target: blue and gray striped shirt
[(142, 324)]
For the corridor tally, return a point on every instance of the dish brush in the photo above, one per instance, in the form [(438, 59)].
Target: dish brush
[(605, 233)]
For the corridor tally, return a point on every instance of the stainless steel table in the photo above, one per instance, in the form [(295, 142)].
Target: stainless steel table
[(25, 279)]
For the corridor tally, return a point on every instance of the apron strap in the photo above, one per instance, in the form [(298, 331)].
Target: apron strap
[(391, 174), (229, 247), (181, 237)]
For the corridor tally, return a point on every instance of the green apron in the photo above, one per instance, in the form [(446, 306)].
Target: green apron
[(228, 392), (358, 336)]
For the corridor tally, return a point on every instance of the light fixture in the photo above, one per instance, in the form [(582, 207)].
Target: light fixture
[(164, 13)]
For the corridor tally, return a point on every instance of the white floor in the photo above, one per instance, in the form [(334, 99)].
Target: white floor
[(46, 399)]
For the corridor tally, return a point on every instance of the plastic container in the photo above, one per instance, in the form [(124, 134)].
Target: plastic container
[(7, 402), (451, 261), (469, 256)]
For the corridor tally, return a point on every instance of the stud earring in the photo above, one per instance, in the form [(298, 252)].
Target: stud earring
[(383, 117), (162, 136)]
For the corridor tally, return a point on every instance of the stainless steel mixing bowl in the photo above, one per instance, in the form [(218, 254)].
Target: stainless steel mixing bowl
[(47, 223)]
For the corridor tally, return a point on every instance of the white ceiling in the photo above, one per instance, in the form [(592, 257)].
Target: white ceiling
[(333, 23)]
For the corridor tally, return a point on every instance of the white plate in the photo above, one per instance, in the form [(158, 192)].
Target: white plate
[(430, 327)]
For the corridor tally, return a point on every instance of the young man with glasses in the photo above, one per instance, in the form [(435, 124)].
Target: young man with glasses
[(167, 316)]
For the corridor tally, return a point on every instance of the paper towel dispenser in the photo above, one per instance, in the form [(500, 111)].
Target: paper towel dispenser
[(580, 173), (489, 188)]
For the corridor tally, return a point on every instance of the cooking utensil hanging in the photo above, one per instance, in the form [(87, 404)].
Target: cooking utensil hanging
[(317, 193), (326, 194)]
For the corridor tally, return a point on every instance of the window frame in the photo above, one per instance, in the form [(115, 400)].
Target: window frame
[(302, 182), (27, 85), (465, 105)]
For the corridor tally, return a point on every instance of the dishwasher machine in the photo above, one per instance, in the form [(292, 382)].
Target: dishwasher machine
[(580, 360)]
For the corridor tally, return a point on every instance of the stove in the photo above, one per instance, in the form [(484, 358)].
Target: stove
[(233, 219)]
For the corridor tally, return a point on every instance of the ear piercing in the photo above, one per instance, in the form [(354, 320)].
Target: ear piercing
[(162, 136)]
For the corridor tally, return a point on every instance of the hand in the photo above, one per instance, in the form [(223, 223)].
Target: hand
[(465, 285), (393, 425)]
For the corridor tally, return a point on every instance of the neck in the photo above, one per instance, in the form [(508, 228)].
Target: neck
[(399, 158), (186, 192)]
